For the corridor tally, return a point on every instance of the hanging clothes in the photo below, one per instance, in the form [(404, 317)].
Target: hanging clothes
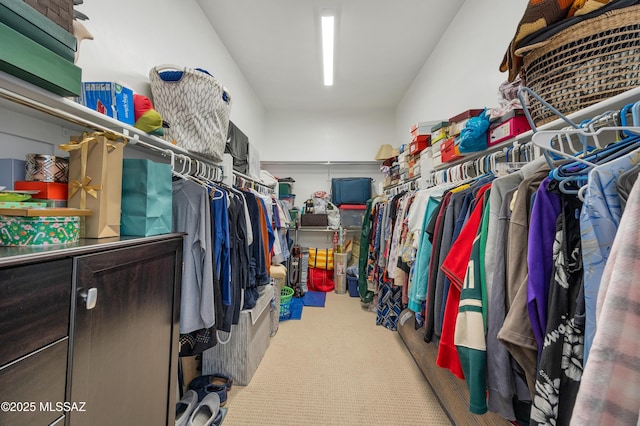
[(599, 221), (560, 366), (516, 332), (192, 215), (608, 394)]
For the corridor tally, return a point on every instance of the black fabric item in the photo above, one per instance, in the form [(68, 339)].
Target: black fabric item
[(435, 233), (561, 361), (238, 146), (196, 342)]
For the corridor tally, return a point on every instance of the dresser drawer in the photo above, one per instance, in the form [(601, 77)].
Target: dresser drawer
[(34, 307), (37, 378)]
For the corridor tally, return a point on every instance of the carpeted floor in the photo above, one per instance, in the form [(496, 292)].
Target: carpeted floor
[(335, 367)]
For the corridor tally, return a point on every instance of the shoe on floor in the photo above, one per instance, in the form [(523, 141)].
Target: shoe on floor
[(206, 412), (208, 383), (185, 407), (220, 390)]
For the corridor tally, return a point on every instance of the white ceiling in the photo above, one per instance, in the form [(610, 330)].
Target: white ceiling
[(381, 45)]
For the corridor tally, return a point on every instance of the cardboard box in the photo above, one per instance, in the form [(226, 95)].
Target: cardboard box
[(11, 170), (109, 98), (421, 128), (29, 22), (448, 151), (48, 190), (508, 128), (419, 146), (24, 58), (457, 122)]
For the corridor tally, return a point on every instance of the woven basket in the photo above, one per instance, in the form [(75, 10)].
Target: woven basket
[(59, 11), (586, 63)]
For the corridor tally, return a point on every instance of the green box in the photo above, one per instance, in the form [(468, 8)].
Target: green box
[(24, 58), (21, 204), (31, 23), (284, 188)]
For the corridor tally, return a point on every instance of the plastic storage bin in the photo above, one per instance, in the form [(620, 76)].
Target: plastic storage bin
[(352, 216), (350, 190), (352, 286)]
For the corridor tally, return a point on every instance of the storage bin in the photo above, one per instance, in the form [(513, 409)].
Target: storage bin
[(11, 170), (197, 107), (352, 216), (314, 220), (352, 286), (38, 231), (285, 188), (356, 190), (240, 357)]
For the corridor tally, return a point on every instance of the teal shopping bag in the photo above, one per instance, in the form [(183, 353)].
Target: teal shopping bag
[(146, 198)]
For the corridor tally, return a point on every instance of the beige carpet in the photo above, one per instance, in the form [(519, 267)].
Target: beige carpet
[(335, 367)]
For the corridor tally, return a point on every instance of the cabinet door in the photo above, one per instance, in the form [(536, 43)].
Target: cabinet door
[(124, 349)]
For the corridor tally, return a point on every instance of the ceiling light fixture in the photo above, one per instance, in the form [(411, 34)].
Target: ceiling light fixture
[(327, 48)]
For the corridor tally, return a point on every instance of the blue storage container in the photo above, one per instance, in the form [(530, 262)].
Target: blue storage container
[(352, 286), (355, 190)]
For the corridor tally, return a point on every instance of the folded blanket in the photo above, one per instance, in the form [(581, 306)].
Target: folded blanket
[(538, 15)]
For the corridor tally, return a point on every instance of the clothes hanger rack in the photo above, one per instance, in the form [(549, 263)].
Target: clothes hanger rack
[(243, 181)]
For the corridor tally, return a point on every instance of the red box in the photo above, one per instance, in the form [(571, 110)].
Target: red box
[(48, 190), (457, 123), (448, 151), (419, 146), (508, 129)]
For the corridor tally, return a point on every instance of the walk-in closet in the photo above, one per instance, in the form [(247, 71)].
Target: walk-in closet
[(319, 212)]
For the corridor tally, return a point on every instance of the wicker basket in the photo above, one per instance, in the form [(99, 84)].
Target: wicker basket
[(59, 11), (586, 63)]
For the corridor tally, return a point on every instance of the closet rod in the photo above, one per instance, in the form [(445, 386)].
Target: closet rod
[(252, 180)]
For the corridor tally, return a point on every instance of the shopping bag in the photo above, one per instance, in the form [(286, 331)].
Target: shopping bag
[(95, 181), (321, 258), (320, 280), (146, 198)]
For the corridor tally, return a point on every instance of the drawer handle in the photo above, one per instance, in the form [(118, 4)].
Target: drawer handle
[(90, 297)]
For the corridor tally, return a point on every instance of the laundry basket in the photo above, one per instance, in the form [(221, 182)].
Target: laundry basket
[(585, 63), (285, 303), (195, 105)]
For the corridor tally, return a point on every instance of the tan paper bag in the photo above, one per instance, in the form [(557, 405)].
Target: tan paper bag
[(95, 181)]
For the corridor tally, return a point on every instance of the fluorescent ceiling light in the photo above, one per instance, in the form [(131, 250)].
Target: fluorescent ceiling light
[(327, 49)]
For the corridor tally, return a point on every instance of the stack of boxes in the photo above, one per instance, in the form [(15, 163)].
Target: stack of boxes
[(420, 141), (286, 195), (37, 49), (439, 134)]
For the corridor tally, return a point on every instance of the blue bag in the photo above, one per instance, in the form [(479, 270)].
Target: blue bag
[(147, 198), (473, 137)]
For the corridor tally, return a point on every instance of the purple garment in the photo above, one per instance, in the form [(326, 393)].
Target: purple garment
[(542, 231)]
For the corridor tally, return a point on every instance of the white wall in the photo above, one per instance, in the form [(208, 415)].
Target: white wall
[(336, 135), (131, 37), (462, 72)]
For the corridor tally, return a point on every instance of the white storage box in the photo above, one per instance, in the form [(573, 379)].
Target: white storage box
[(240, 357)]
